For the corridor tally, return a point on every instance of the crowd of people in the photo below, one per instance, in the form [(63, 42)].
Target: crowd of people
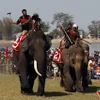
[(5, 54), (6, 61), (93, 68)]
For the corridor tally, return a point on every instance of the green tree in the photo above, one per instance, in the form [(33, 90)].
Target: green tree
[(8, 29), (94, 28), (45, 26), (2, 29), (63, 18), (56, 33)]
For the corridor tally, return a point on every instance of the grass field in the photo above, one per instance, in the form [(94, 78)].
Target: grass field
[(9, 90)]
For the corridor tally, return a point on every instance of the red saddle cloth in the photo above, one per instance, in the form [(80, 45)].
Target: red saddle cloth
[(58, 52), (17, 42), (57, 56)]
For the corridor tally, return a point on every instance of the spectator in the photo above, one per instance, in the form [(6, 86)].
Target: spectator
[(98, 72), (91, 65), (55, 69)]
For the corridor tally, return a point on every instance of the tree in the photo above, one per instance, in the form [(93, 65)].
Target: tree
[(45, 26), (56, 33), (94, 28), (63, 18), (2, 29), (8, 29)]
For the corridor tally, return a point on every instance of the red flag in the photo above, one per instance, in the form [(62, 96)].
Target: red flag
[(6, 52), (98, 93)]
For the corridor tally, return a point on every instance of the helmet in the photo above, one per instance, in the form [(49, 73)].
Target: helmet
[(75, 25)]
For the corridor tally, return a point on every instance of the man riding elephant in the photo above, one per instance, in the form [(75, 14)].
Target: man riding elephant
[(73, 34), (26, 27), (32, 62), (23, 20), (73, 61), (31, 59)]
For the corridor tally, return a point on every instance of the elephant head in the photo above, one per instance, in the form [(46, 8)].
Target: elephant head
[(39, 43)]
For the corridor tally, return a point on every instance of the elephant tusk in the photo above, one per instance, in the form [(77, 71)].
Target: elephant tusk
[(35, 68)]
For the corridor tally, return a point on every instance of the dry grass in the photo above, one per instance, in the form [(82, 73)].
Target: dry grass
[(9, 90)]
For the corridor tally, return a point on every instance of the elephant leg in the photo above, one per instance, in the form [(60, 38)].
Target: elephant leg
[(40, 57), (61, 71), (73, 75), (61, 81), (67, 79), (41, 86), (23, 73), (31, 77), (84, 76), (16, 60), (78, 83), (41, 79)]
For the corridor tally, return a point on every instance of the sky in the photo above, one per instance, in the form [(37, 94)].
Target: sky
[(83, 11)]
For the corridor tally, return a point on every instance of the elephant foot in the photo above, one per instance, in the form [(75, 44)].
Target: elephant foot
[(71, 90), (40, 94), (27, 92), (80, 89)]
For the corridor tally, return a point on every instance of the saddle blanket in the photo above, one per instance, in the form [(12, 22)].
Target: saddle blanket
[(17, 42), (58, 52), (57, 55)]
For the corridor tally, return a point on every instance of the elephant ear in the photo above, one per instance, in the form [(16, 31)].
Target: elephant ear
[(48, 42)]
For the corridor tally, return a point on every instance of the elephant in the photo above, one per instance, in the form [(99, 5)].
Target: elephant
[(74, 67), (32, 61)]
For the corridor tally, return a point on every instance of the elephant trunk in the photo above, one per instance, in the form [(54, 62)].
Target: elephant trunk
[(36, 68)]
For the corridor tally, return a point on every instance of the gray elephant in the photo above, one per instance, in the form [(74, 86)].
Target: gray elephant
[(74, 70), (31, 62)]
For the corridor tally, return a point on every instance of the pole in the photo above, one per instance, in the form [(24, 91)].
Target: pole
[(65, 33)]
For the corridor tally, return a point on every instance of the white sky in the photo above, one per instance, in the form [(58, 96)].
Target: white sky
[(83, 11)]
